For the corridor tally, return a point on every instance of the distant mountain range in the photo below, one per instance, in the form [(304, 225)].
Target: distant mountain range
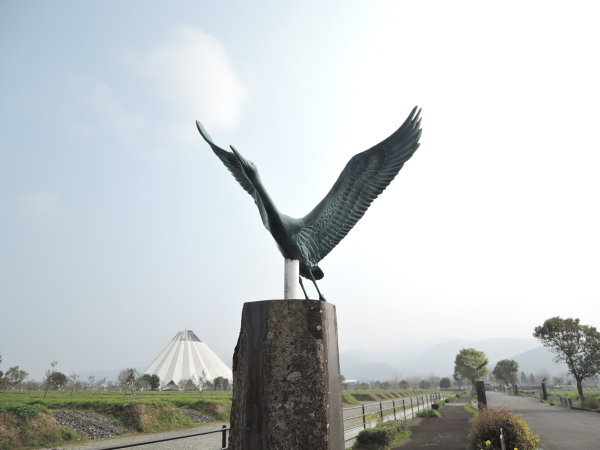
[(424, 359), (438, 359)]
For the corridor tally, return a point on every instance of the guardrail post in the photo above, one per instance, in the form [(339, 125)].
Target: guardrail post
[(381, 411), (404, 409), (412, 413), (224, 437), (363, 416), (394, 405)]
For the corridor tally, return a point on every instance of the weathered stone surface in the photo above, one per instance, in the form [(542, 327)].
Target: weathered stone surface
[(287, 391)]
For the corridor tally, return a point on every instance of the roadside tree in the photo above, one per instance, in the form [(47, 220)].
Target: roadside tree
[(576, 344), (470, 364), (506, 372)]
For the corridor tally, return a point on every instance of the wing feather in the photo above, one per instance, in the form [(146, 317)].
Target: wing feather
[(366, 175), (234, 166), (230, 161)]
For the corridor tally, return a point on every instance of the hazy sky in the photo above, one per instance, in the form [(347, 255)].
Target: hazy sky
[(119, 227)]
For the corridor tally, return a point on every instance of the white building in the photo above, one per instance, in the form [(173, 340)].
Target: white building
[(187, 357)]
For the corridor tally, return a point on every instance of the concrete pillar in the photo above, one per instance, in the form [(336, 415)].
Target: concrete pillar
[(291, 275), (286, 378)]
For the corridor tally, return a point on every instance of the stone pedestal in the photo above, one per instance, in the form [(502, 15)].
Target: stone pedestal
[(286, 378)]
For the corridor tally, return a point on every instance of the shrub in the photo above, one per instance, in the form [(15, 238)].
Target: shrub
[(27, 412), (382, 435), (486, 427), (591, 403), (428, 413)]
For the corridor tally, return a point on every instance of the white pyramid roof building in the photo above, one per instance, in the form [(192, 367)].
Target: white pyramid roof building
[(186, 357)]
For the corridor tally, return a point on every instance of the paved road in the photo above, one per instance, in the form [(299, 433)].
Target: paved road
[(559, 428)]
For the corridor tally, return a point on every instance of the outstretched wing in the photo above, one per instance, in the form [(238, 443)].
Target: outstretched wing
[(365, 176), (230, 161), (233, 164)]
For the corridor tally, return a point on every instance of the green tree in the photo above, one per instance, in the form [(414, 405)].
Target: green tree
[(127, 378), (445, 383), (148, 381), (145, 381), (91, 380), (576, 344), (523, 378), (221, 383), (154, 382), (470, 364), (74, 379), (15, 377), (424, 384), (403, 384), (506, 372), (48, 379)]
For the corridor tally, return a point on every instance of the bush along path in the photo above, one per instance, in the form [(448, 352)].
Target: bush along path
[(448, 432)]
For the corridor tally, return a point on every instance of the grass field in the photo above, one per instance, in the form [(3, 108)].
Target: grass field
[(63, 399)]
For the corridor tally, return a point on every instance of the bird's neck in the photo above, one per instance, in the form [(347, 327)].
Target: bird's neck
[(268, 211)]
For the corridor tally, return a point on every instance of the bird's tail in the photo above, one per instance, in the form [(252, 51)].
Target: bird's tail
[(316, 271)]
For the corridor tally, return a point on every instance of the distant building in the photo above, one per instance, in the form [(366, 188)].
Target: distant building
[(187, 357)]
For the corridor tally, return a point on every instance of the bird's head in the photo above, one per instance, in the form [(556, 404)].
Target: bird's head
[(248, 167)]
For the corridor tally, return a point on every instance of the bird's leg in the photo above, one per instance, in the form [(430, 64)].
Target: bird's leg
[(302, 286), (312, 277)]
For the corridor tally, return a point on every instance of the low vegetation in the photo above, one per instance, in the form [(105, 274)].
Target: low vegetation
[(26, 418), (429, 413), (485, 431), (23, 426), (383, 436)]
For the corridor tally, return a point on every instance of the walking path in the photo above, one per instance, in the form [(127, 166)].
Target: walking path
[(559, 428), (448, 432)]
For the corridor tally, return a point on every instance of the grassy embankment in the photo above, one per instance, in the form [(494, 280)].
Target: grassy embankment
[(353, 398), (26, 418)]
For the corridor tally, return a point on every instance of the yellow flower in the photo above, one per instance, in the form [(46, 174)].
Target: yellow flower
[(487, 443)]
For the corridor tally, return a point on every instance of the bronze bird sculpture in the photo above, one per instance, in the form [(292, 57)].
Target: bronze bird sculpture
[(310, 238)]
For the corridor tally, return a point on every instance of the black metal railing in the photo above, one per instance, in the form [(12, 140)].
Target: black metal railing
[(224, 430), (361, 417), (355, 418)]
